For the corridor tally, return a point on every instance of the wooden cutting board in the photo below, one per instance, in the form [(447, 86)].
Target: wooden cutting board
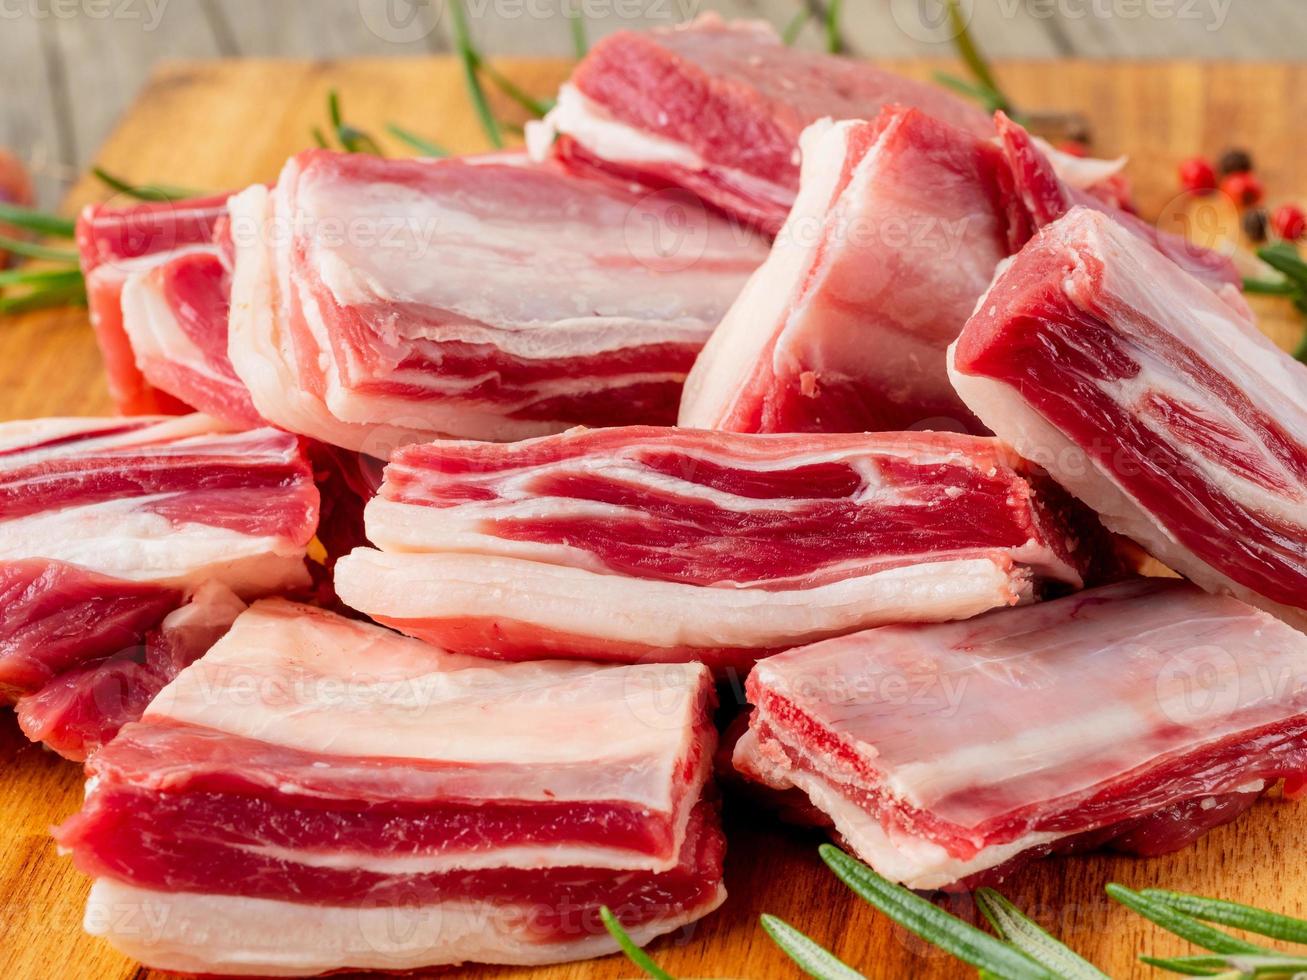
[(216, 125)]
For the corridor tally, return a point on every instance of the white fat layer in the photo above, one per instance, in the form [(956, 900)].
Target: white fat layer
[(144, 430), (231, 935), (664, 614), (123, 538), (911, 861), (609, 139), (734, 351), (320, 683)]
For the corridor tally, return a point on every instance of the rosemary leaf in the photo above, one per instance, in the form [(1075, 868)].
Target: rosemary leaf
[(580, 43), (471, 61), (1284, 258), (633, 952), (1198, 933), (810, 956), (423, 146), (68, 294), (1178, 965), (949, 933), (1021, 932), (796, 24), (972, 57), (991, 100), (33, 277), (144, 192), (1234, 965), (531, 104), (1269, 287), (320, 138), (1232, 914), (33, 250), (834, 43), (37, 221)]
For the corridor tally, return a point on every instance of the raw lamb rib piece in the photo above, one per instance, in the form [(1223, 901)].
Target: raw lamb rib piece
[(1136, 716), (896, 232), (717, 108), (314, 781), (899, 226), (157, 290), (378, 301), (83, 708), (648, 544), (106, 525), (1145, 395)]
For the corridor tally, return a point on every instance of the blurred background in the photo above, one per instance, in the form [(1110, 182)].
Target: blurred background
[(68, 68)]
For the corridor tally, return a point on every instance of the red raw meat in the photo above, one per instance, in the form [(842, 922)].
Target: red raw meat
[(1156, 403), (382, 301), (83, 708), (717, 108), (116, 244), (106, 525), (897, 231), (310, 774), (1137, 715), (699, 545)]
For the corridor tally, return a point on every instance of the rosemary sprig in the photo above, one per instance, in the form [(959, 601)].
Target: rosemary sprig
[(70, 293), (1235, 966), (580, 43), (1184, 926), (834, 41), (351, 138), (1284, 259), (811, 957), (470, 61), (796, 24), (1023, 933), (1233, 914), (38, 221), (960, 939), (143, 192), (984, 88), (39, 277), (633, 952), (534, 106), (412, 140), (34, 250)]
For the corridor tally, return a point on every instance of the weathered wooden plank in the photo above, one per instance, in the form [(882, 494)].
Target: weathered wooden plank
[(325, 28), (107, 57)]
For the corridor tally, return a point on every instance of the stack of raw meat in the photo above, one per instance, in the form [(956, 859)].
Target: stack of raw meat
[(816, 266)]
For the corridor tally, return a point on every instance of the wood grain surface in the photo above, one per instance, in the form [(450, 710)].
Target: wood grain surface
[(217, 125)]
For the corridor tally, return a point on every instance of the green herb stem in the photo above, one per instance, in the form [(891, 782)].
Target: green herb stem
[(38, 221), (471, 61), (1270, 924), (949, 933), (1184, 926), (411, 139), (144, 192), (633, 952), (34, 250), (1026, 935)]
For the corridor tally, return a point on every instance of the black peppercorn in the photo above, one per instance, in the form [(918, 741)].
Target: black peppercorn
[(1235, 161), (1254, 224)]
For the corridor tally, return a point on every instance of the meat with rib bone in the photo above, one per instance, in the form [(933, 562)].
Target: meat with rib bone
[(380, 301), (1160, 406), (106, 525), (700, 545), (1136, 715), (897, 231), (160, 261), (717, 108), (312, 777)]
